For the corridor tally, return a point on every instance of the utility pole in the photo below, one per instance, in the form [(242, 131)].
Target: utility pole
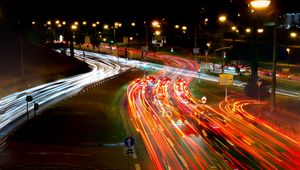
[(274, 65), (195, 38), (21, 48)]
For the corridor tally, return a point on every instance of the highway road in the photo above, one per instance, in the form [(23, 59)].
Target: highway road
[(183, 132), (14, 106), (178, 130)]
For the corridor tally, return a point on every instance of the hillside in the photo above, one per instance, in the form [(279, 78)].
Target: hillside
[(40, 65)]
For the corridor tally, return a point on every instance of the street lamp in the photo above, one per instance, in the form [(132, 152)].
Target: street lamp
[(222, 19), (293, 34), (261, 5), (73, 28)]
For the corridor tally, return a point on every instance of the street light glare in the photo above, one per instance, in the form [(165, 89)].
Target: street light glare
[(73, 27), (260, 4), (260, 30), (222, 18), (155, 23), (293, 34)]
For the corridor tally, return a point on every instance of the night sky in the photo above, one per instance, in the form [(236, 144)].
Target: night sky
[(95, 8), (183, 9)]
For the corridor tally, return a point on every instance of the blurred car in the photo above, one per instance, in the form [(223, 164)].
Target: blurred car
[(294, 77)]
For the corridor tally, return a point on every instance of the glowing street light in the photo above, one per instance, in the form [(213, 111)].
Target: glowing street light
[(155, 23), (74, 27), (260, 30), (222, 18), (293, 34), (157, 32), (105, 27), (233, 28), (260, 4)]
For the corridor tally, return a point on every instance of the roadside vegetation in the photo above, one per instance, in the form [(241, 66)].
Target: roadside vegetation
[(41, 65)]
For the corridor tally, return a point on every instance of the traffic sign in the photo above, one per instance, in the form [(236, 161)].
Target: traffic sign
[(29, 98), (36, 106), (204, 99), (259, 83), (129, 151), (196, 50), (225, 79), (129, 141)]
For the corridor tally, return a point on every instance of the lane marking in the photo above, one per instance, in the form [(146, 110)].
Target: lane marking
[(137, 166), (58, 153)]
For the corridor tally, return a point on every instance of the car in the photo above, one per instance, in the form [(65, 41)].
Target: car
[(294, 77)]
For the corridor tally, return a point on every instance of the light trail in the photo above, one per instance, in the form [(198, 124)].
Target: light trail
[(14, 105), (181, 132)]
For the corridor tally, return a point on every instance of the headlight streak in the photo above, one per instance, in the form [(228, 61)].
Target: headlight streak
[(15, 104)]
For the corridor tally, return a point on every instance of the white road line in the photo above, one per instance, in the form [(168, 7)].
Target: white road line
[(183, 161), (137, 166), (170, 142), (134, 156)]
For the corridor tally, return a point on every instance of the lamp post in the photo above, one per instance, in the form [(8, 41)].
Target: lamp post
[(73, 28), (222, 19), (260, 5)]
